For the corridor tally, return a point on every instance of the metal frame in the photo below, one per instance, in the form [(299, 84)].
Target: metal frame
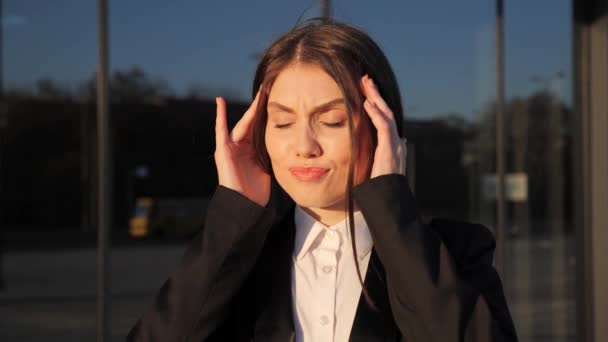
[(591, 86), (500, 140), (104, 188)]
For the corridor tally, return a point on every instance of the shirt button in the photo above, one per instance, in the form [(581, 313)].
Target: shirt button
[(327, 269), (324, 320), (331, 234)]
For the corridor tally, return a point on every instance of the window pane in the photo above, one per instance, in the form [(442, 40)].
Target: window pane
[(540, 123), (47, 255), (169, 62)]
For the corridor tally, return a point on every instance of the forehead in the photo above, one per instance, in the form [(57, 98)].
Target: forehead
[(304, 83)]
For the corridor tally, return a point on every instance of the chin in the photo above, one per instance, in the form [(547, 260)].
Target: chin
[(311, 195), (313, 199)]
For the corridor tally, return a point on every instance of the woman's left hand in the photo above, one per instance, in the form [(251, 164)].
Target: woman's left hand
[(391, 151)]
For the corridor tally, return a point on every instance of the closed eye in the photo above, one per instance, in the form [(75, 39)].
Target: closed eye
[(280, 126), (334, 124)]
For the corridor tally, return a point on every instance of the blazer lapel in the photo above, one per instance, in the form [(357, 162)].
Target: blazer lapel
[(374, 324), (273, 282)]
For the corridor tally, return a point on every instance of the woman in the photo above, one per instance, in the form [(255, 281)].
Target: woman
[(313, 233)]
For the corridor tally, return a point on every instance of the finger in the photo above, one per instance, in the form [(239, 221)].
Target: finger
[(221, 127), (242, 128), (381, 122), (372, 94), (363, 85)]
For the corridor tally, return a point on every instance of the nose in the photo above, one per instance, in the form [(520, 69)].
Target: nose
[(306, 143)]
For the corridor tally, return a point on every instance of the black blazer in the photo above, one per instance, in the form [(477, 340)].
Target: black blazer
[(429, 283)]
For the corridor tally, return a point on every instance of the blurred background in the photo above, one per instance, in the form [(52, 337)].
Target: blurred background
[(535, 73)]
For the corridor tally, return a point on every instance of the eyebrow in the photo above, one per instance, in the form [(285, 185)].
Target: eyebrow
[(324, 107)]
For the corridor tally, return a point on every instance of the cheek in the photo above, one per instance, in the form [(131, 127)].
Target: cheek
[(273, 144), (336, 147)]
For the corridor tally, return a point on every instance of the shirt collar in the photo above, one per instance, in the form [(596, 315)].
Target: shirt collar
[(308, 231)]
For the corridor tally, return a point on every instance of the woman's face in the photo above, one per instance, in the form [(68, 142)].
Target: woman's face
[(307, 137)]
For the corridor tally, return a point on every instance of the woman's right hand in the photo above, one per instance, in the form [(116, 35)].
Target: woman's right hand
[(234, 155)]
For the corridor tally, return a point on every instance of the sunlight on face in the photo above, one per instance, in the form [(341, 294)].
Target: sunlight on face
[(307, 137)]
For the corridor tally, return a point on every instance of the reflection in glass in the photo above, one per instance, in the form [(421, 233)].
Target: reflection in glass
[(46, 163), (540, 121)]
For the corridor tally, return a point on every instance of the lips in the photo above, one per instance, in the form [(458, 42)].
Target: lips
[(308, 174)]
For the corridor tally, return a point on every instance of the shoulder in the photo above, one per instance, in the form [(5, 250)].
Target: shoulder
[(469, 244)]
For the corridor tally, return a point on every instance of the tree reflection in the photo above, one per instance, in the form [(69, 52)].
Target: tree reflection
[(539, 144), (50, 151)]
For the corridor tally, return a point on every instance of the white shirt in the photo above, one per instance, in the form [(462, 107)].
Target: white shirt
[(324, 284)]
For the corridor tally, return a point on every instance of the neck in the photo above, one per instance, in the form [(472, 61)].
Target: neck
[(329, 216)]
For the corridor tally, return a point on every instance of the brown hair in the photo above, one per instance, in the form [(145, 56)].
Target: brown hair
[(346, 54)]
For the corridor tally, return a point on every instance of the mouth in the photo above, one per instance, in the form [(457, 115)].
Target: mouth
[(308, 174)]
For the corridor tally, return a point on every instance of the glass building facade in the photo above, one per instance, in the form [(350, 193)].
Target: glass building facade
[(534, 73)]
